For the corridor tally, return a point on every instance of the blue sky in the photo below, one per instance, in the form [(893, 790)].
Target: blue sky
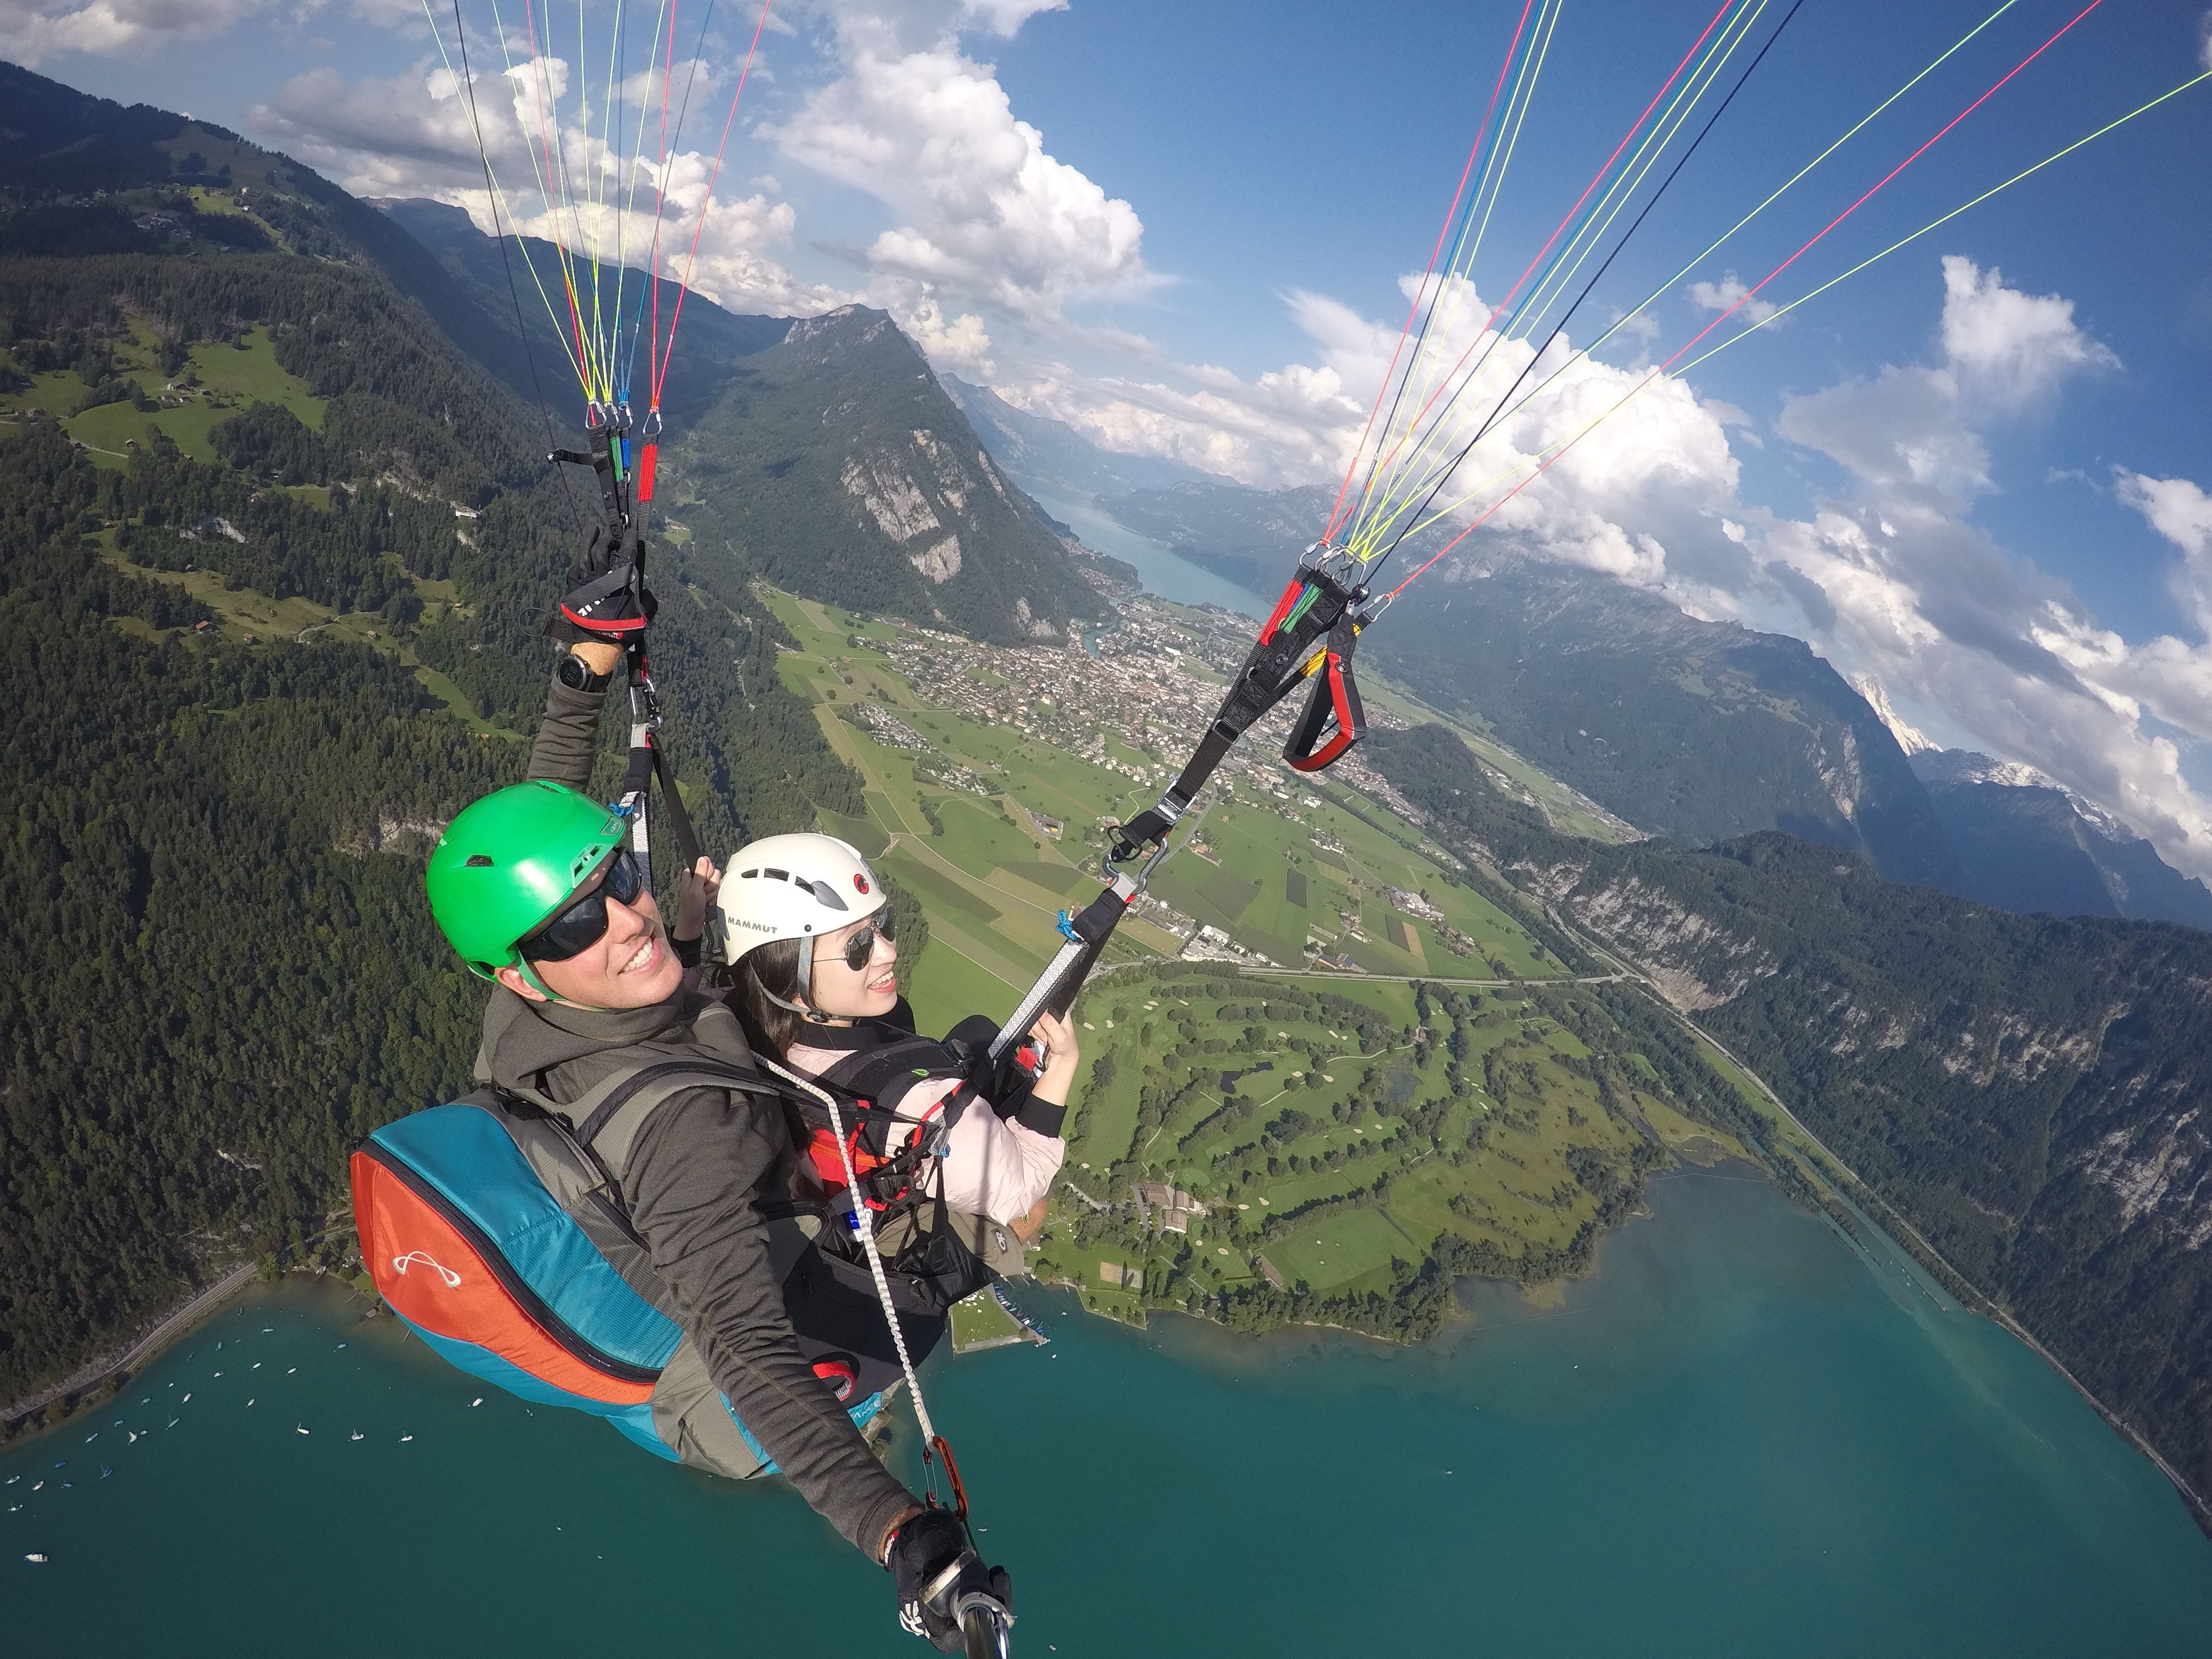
[(1973, 477)]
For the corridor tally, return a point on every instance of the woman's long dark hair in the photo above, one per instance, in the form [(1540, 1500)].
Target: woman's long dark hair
[(771, 967)]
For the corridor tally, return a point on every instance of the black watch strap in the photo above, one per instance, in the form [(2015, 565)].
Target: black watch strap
[(577, 674)]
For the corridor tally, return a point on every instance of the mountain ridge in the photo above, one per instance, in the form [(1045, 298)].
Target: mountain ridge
[(2021, 1088)]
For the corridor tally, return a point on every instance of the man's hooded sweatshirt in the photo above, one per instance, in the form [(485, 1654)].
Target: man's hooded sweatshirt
[(694, 1183)]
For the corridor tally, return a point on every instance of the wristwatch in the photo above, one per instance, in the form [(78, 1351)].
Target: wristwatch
[(577, 674)]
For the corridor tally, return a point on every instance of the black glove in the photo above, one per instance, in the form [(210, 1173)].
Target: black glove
[(607, 597), (937, 1571)]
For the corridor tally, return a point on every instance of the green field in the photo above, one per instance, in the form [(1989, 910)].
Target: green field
[(230, 378), (1282, 1105)]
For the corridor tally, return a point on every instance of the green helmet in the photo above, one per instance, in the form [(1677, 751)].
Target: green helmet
[(509, 860)]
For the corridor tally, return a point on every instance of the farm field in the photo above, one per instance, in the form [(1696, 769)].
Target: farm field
[(1280, 1108), (1409, 1073), (229, 380)]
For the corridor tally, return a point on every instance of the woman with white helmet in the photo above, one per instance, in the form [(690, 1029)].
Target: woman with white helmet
[(808, 932)]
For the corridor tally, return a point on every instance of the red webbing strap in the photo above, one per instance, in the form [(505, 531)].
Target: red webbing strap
[(1334, 703)]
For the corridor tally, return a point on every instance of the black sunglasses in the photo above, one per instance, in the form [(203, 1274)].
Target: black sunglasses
[(862, 944), (575, 929)]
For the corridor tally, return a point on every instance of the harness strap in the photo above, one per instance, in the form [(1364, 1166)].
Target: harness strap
[(1313, 605), (1334, 708), (866, 1228), (609, 1118)]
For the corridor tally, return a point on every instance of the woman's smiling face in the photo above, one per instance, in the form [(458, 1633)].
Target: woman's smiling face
[(868, 992)]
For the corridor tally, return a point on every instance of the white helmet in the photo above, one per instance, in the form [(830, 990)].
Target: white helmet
[(794, 887)]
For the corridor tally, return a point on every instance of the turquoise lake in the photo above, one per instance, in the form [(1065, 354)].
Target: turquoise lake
[(1741, 1437), (1162, 569)]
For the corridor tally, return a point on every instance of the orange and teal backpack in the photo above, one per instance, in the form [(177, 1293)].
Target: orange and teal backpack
[(498, 1233)]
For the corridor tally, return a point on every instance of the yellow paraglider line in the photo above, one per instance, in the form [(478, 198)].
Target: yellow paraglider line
[(1469, 247), (499, 204), (1727, 7), (1371, 526), (1636, 310), (1552, 452)]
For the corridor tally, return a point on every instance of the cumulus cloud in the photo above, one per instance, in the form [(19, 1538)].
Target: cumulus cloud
[(2012, 348), (38, 31), (983, 213), (1916, 428), (2182, 513), (1729, 293), (1899, 587), (416, 135)]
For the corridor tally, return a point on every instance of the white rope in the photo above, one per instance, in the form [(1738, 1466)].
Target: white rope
[(868, 1231)]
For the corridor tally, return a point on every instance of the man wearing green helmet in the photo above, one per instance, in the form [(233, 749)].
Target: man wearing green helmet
[(537, 889)]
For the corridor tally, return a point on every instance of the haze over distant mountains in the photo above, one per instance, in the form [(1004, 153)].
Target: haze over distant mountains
[(2025, 844), (1694, 729), (1053, 456)]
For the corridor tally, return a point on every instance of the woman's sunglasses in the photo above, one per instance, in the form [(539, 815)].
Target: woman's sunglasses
[(862, 944), (576, 929)]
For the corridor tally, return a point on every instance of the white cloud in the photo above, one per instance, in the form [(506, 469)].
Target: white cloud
[(38, 31), (2012, 348), (1916, 428), (983, 212), (2179, 510), (1730, 294), (2204, 40), (2182, 513), (1906, 593), (411, 136)]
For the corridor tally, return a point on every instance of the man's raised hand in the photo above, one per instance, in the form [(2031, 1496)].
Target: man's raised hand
[(607, 597)]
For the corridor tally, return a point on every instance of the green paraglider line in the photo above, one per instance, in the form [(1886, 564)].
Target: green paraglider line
[(1596, 179), (661, 374), (1444, 476), (1371, 526), (1442, 231), (1775, 195), (1662, 370)]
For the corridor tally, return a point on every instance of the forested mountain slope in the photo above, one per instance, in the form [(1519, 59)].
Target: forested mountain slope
[(2026, 1090), (274, 554), (834, 464)]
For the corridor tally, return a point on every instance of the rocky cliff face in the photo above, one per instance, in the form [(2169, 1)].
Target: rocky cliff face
[(834, 464)]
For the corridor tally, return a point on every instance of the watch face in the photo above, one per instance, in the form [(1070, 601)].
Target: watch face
[(577, 677)]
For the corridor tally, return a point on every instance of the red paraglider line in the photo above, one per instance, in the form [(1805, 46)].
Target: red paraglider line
[(691, 257), (659, 214), (1749, 294), (1352, 466), (1597, 178)]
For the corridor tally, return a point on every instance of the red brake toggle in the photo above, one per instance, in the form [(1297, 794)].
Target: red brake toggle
[(1334, 708)]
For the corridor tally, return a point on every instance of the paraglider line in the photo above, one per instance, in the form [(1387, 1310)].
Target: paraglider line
[(691, 259), (1750, 294), (1775, 196), (1491, 420), (514, 293), (1376, 518), (1442, 231), (1596, 179), (1936, 224)]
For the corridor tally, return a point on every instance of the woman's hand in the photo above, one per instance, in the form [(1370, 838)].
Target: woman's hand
[(695, 892), (1061, 1052)]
